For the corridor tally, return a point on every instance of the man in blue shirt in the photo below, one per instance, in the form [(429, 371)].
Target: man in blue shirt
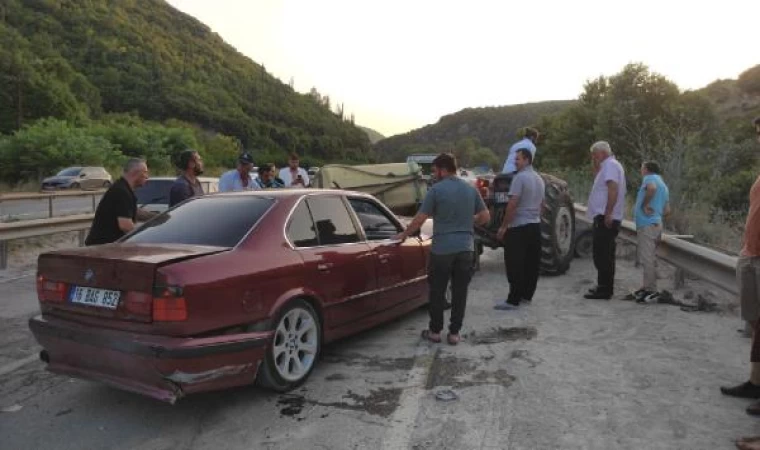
[(455, 206), (652, 204), (240, 178), (528, 142)]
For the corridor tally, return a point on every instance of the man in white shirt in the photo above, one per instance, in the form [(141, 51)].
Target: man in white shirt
[(294, 176), (240, 178), (605, 208), (528, 142)]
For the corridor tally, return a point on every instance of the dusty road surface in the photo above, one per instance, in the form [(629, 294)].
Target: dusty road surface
[(562, 373)]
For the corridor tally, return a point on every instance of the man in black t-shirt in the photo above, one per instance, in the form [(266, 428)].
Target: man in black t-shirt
[(117, 211)]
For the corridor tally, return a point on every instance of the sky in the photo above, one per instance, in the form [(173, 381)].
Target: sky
[(402, 64)]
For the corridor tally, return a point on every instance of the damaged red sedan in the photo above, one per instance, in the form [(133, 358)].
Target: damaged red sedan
[(227, 290)]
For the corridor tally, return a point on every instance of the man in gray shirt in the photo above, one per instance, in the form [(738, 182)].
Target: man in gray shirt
[(187, 184), (454, 206), (521, 231)]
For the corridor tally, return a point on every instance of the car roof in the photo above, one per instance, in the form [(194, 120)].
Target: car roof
[(202, 179), (421, 157), (288, 193)]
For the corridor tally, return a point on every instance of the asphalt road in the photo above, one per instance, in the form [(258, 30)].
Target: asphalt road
[(563, 372), (11, 209)]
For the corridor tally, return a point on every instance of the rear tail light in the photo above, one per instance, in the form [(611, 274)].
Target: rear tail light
[(169, 305), (482, 187), (138, 304), (51, 291)]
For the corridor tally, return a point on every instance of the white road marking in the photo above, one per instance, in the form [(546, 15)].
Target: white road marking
[(404, 419)]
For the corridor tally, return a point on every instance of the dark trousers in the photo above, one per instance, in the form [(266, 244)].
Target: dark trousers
[(522, 259), (604, 253), (457, 268), (755, 352)]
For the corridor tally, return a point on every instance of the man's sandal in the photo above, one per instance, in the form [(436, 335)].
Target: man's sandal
[(432, 337)]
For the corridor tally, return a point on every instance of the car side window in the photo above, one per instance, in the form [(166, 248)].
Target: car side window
[(375, 222), (301, 231), (333, 223)]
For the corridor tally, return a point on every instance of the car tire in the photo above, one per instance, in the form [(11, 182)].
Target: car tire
[(476, 256), (106, 184), (557, 227), (291, 357), (74, 186)]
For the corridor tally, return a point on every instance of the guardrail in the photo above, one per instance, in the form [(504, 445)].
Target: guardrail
[(712, 266), (50, 197), (41, 227), (704, 263)]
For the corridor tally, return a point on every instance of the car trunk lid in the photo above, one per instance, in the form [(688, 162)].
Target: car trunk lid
[(112, 281)]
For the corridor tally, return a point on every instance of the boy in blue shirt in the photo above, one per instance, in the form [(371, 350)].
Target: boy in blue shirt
[(652, 204)]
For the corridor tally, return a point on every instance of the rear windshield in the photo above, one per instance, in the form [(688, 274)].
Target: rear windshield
[(219, 221), (154, 192)]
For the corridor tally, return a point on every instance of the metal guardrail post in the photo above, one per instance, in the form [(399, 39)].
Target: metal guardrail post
[(50, 207), (679, 279), (3, 255)]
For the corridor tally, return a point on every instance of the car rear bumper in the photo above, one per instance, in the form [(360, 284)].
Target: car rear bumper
[(161, 367)]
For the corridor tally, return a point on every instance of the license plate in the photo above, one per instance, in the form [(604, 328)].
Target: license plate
[(501, 197), (101, 298)]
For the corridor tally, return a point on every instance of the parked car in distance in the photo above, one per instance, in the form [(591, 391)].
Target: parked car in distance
[(227, 290), (153, 196), (312, 171), (78, 178)]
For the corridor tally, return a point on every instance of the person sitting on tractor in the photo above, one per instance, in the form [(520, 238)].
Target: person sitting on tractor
[(528, 142)]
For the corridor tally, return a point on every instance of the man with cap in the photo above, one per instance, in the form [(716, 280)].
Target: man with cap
[(239, 179)]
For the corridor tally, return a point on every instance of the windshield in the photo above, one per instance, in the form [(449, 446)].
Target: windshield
[(219, 221), (153, 192), (481, 170), (70, 172), (426, 168)]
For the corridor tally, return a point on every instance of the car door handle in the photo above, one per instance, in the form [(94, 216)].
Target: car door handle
[(324, 266)]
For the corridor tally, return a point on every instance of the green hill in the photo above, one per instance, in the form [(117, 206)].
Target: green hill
[(493, 127), (373, 135), (78, 60), (735, 99)]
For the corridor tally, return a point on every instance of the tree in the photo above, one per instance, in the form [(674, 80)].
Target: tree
[(749, 80)]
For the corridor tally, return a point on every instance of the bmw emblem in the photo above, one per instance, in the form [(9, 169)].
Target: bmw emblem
[(89, 275)]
